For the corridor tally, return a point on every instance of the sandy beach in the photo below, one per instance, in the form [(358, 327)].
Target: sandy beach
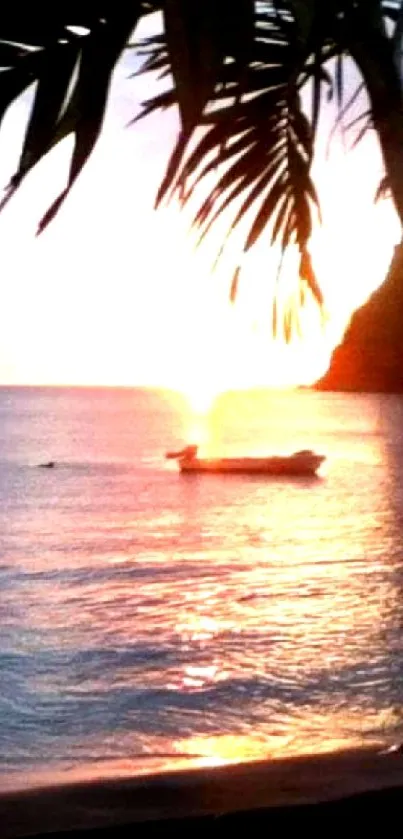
[(365, 783)]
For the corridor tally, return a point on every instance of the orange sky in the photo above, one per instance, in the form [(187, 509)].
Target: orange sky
[(113, 293)]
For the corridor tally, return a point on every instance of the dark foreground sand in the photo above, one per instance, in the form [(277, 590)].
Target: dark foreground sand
[(351, 790)]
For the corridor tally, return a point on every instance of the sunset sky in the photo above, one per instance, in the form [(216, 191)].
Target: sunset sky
[(113, 293)]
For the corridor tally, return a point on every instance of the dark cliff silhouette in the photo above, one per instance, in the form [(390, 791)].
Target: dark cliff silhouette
[(370, 357)]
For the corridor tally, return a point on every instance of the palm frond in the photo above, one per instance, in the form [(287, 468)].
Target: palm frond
[(365, 122), (16, 78), (342, 113), (53, 80), (237, 69), (258, 144), (198, 43), (154, 52), (72, 72)]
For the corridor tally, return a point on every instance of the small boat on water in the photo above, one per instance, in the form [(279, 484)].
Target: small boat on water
[(301, 463)]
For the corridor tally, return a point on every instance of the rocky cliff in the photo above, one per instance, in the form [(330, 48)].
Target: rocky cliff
[(370, 357)]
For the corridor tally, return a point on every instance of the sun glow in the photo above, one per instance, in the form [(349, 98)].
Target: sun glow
[(124, 298), (171, 324), (232, 347)]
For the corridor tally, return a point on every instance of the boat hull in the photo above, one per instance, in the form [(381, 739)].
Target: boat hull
[(292, 466)]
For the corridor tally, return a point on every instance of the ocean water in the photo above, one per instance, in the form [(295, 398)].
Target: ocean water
[(151, 620)]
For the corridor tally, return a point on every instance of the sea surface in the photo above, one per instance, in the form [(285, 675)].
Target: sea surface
[(151, 620)]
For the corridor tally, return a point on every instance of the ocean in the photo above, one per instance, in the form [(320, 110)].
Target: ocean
[(151, 620)]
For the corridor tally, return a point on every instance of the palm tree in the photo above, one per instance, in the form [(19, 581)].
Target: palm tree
[(237, 69)]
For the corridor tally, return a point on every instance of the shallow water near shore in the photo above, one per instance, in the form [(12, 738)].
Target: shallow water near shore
[(150, 620)]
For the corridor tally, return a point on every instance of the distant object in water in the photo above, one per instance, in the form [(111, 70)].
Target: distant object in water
[(49, 464), (302, 463)]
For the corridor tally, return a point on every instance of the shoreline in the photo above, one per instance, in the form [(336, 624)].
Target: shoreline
[(360, 780)]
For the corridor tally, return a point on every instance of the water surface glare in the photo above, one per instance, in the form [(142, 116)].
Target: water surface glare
[(150, 620)]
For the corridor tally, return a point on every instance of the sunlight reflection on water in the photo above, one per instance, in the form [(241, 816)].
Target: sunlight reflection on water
[(147, 620)]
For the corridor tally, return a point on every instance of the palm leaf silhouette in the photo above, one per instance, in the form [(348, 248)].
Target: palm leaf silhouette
[(237, 70), (259, 143)]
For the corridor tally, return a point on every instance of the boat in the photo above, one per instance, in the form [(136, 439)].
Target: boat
[(301, 463)]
